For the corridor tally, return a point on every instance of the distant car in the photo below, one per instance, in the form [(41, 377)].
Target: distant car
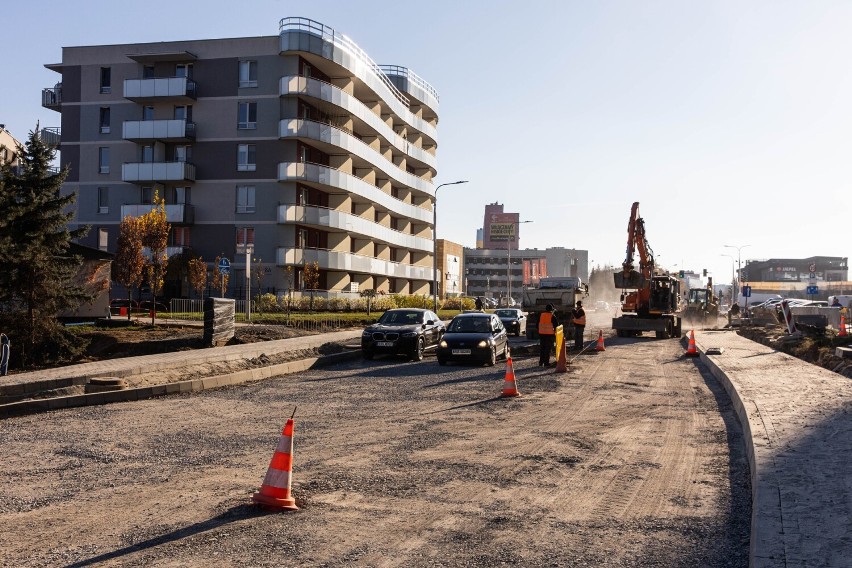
[(474, 336), (513, 320), (489, 302), (148, 305), (406, 331), (115, 306)]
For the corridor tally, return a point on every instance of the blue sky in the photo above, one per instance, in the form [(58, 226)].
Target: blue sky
[(728, 121)]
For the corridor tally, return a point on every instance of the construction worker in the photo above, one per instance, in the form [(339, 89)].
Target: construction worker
[(478, 304), (546, 335), (578, 318)]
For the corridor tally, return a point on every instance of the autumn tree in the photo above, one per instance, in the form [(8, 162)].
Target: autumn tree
[(311, 275), (198, 275), (368, 293), (129, 262), (37, 281), (155, 236), (220, 279)]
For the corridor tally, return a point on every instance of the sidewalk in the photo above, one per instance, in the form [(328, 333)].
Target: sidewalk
[(796, 424)]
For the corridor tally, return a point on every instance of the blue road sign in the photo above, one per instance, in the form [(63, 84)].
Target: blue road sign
[(746, 291), (812, 290), (224, 266)]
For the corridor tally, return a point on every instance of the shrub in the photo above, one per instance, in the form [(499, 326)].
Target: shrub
[(460, 304), (266, 303)]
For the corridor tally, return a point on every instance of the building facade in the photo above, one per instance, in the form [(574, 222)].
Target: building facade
[(297, 144), (500, 229), (8, 147), (815, 268), (450, 268)]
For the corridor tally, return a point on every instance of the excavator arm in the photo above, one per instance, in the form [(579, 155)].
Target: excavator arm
[(629, 277)]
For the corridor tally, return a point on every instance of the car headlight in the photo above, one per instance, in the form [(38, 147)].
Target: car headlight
[(483, 343), (443, 343), (410, 334), (367, 333)]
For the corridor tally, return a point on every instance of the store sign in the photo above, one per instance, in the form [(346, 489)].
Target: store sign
[(502, 231)]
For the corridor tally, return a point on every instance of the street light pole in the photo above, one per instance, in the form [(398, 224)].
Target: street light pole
[(435, 242), (509, 266), (739, 266)]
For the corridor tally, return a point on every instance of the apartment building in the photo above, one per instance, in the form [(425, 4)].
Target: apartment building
[(297, 145), (8, 147)]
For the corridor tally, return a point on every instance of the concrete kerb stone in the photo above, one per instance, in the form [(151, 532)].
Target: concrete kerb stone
[(193, 385)]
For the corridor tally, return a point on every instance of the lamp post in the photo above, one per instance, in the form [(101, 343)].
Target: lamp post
[(509, 265), (739, 268), (435, 242)]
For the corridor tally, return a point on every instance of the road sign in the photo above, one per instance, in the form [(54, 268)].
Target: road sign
[(812, 290), (746, 291), (812, 267), (224, 266), (812, 275)]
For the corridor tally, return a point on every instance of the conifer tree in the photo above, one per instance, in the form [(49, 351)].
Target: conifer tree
[(37, 275)]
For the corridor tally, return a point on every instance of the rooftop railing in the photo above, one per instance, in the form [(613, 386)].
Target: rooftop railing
[(411, 76)]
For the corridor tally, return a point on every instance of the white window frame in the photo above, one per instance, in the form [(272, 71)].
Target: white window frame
[(103, 160), (244, 112), (244, 154), (246, 198), (245, 73), (103, 239)]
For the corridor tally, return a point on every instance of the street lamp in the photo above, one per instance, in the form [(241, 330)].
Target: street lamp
[(435, 242), (739, 267), (509, 265)]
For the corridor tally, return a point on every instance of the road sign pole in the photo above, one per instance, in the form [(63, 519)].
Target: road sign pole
[(248, 283)]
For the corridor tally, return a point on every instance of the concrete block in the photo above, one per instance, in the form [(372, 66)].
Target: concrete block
[(209, 382), (184, 386), (58, 402), (843, 352), (158, 390), (172, 388)]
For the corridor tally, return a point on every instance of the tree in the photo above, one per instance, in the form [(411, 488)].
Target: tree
[(129, 261), (37, 282), (311, 274), (219, 278), (368, 293), (198, 275), (155, 236)]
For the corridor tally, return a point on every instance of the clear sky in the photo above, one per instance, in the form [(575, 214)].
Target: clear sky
[(729, 121)]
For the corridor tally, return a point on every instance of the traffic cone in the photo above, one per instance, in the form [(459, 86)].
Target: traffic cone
[(842, 332), (562, 358), (509, 386), (275, 491), (692, 350), (600, 345)]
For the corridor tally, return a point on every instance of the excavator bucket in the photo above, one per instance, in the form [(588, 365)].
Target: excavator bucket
[(632, 279)]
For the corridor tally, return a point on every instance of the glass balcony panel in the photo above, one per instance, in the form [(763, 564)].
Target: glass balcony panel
[(157, 171), (160, 88), (176, 213), (168, 130), (347, 262)]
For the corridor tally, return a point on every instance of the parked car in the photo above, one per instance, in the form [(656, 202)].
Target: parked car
[(406, 331), (148, 305), (116, 305), (513, 320), (474, 336)]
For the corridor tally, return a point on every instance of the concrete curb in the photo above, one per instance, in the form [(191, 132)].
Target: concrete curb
[(193, 385)]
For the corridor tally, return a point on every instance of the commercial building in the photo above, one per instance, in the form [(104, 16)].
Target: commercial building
[(297, 145), (815, 268), (450, 261)]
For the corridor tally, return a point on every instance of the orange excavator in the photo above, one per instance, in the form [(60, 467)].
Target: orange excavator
[(650, 300)]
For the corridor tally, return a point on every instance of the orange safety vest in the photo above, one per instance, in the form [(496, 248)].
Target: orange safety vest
[(579, 321), (546, 327)]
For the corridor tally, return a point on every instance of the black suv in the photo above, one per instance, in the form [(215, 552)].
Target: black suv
[(405, 330)]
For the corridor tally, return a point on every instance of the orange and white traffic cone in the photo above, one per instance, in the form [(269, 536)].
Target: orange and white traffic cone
[(600, 345), (275, 491), (842, 332), (509, 386), (692, 350)]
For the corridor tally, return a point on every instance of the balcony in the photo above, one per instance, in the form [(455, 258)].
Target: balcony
[(347, 262), (135, 172), (176, 213), (164, 130), (52, 98), (178, 89), (353, 224), (51, 136)]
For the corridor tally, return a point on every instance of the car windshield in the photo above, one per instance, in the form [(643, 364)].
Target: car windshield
[(470, 325), (506, 313), (403, 317)]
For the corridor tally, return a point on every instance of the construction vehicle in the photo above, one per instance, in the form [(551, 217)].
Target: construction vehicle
[(702, 305), (562, 292), (654, 302)]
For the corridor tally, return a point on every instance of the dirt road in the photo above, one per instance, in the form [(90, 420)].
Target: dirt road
[(632, 459)]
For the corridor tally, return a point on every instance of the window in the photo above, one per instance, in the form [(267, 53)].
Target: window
[(307, 70), (246, 157), (247, 117), (181, 195), (183, 154), (245, 236), (183, 113), (183, 70), (103, 200), (104, 121), (148, 72), (103, 160), (179, 237), (103, 239), (106, 80), (147, 195), (245, 199), (147, 154), (248, 73), (148, 113)]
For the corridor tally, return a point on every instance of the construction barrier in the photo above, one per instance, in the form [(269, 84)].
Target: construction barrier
[(562, 357), (275, 491), (788, 317)]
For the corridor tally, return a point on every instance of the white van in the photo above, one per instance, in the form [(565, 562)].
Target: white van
[(843, 299), (756, 298)]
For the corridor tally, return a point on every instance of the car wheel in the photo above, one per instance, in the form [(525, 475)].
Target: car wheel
[(493, 359), (506, 350), (417, 354)]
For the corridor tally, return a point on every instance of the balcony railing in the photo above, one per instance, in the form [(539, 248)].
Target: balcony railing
[(157, 171), (176, 213), (160, 88), (51, 136), (347, 262), (52, 97), (166, 130)]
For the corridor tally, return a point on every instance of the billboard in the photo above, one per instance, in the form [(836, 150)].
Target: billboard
[(534, 269), (502, 231)]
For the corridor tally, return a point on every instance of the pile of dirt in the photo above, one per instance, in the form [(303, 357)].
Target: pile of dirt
[(819, 350)]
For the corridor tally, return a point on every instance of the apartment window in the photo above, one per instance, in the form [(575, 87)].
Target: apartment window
[(104, 120), (181, 195), (248, 73), (183, 153), (103, 239), (103, 160), (106, 80), (103, 200), (352, 245), (147, 113), (179, 237), (183, 113), (147, 195), (246, 157), (183, 70), (247, 116), (245, 236), (245, 199), (302, 238), (148, 72), (147, 154), (307, 70)]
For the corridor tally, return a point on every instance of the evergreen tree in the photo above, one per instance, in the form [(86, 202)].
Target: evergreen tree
[(37, 278)]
